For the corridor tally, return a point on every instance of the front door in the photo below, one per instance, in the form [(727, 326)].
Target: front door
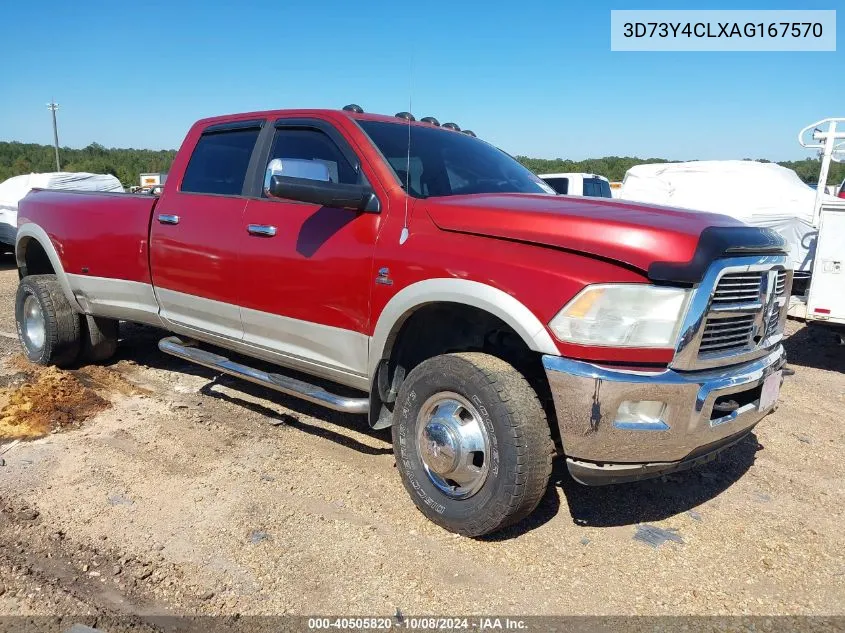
[(194, 238), (308, 269)]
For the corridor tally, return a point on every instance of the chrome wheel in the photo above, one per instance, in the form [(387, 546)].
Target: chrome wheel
[(453, 445), (34, 327)]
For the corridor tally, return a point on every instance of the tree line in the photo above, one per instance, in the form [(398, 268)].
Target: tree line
[(614, 167), (127, 164)]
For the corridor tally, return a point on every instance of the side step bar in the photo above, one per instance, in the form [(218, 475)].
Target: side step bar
[(291, 386)]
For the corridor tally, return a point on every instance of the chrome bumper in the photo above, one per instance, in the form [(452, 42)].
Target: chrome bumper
[(587, 398)]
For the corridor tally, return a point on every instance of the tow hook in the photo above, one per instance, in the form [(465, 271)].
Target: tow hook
[(729, 406)]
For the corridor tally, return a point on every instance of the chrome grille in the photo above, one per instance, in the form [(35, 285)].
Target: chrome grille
[(725, 333), (738, 288), (735, 322), (780, 286)]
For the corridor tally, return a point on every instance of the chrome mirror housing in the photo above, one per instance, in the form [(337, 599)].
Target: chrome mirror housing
[(295, 168)]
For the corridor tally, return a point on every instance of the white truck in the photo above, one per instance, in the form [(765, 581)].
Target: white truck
[(578, 184)]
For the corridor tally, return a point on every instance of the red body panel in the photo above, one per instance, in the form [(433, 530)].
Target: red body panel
[(634, 234), (103, 232), (198, 256), (321, 266), (542, 279), (318, 266)]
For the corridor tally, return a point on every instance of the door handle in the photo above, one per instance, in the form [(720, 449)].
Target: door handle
[(167, 218), (261, 230)]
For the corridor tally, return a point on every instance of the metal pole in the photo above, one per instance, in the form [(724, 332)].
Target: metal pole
[(829, 139), (53, 106)]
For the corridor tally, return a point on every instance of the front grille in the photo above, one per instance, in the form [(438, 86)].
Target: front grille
[(726, 333), (734, 323), (780, 286), (738, 288)]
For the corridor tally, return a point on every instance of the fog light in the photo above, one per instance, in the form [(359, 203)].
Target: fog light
[(641, 415)]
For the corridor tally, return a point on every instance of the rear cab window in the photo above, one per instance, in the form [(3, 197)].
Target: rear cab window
[(596, 188), (560, 185), (219, 162)]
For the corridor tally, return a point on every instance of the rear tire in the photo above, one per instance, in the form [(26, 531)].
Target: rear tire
[(99, 338), (48, 327), (447, 408)]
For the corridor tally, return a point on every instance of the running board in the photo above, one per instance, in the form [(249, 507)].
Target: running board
[(291, 386)]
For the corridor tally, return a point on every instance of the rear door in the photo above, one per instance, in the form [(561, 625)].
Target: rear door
[(309, 269), (196, 229)]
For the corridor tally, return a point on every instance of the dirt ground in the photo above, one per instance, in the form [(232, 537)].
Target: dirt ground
[(162, 488)]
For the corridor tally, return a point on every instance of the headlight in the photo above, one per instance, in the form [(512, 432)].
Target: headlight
[(623, 315)]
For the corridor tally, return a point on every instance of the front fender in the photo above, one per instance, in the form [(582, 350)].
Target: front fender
[(462, 291)]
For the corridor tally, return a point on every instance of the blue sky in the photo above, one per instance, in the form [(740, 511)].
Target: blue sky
[(535, 78)]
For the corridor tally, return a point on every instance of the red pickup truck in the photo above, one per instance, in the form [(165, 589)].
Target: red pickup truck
[(427, 273)]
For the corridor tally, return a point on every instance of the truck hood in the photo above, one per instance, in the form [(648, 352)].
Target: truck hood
[(637, 235)]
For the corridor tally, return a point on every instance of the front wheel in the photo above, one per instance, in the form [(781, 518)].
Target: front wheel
[(471, 442)]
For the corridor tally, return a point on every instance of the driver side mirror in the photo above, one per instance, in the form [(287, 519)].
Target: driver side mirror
[(309, 181)]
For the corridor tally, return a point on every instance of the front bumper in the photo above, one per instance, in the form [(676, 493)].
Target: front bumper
[(587, 398)]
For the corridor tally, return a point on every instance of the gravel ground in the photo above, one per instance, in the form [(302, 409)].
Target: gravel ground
[(193, 493)]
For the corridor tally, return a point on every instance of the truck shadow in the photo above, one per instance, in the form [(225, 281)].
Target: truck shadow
[(341, 420), (660, 498), (139, 345), (634, 503), (815, 346)]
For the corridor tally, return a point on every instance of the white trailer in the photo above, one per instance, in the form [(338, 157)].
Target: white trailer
[(824, 300)]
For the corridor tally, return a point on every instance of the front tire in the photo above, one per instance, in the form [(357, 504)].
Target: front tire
[(48, 327), (472, 443)]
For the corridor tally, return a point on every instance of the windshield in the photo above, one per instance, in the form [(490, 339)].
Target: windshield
[(447, 163)]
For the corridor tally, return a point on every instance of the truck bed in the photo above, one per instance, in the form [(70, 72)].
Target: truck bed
[(98, 234)]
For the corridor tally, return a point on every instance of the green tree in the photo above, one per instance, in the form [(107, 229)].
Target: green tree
[(126, 164)]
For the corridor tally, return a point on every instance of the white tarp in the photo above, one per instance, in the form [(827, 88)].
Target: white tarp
[(759, 194), (15, 188)]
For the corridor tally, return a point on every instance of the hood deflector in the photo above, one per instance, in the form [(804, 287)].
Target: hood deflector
[(717, 242)]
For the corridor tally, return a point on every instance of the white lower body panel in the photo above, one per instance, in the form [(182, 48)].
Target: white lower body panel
[(223, 319), (320, 350), (116, 298)]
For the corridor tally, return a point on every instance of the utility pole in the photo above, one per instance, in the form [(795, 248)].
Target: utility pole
[(53, 106)]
